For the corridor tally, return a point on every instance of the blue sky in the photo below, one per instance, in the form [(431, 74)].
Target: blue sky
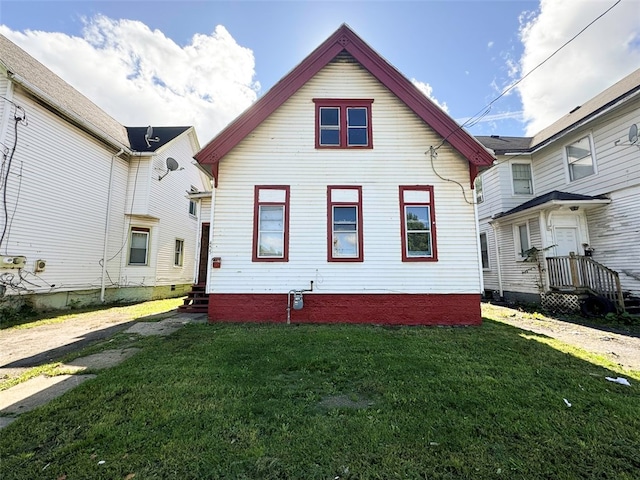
[(202, 63)]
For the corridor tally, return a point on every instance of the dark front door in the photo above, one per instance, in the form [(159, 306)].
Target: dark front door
[(204, 254)]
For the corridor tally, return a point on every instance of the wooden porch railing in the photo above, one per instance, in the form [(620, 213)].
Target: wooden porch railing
[(579, 273)]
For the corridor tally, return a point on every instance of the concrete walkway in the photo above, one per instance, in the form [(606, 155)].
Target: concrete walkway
[(22, 349)]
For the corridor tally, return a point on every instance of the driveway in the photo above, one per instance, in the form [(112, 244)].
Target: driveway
[(621, 349)]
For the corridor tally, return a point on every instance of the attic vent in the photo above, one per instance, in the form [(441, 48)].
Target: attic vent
[(578, 107), (344, 57)]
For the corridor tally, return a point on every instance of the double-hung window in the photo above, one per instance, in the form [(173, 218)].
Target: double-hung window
[(178, 256), (522, 178), (580, 159), (271, 223), (344, 224), (139, 246), (418, 224), (342, 123)]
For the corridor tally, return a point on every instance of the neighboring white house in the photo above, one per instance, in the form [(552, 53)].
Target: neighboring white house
[(346, 180), (90, 210), (572, 189)]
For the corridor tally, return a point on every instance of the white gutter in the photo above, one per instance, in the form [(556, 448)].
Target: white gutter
[(69, 114), (106, 229), (478, 248), (495, 241)]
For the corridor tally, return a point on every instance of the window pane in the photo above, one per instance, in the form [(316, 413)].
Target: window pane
[(329, 117), (580, 159), (524, 238), (357, 117), (345, 244), (271, 219), (342, 215), (357, 136), (484, 250), (419, 244), (138, 240), (521, 173), (271, 245), (417, 218), (329, 137)]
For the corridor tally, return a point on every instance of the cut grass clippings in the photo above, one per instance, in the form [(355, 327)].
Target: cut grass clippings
[(336, 401)]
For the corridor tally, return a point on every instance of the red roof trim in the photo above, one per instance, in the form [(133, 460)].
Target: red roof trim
[(345, 39)]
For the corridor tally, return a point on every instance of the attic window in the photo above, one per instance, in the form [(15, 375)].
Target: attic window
[(343, 123)]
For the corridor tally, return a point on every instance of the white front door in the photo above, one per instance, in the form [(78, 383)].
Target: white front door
[(567, 241)]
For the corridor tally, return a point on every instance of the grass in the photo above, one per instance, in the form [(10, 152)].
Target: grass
[(336, 402)]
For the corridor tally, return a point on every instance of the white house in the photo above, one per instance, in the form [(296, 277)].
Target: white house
[(572, 191), (344, 195), (91, 210)]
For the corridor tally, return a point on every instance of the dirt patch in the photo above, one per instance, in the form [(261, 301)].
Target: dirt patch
[(353, 401), (621, 349)]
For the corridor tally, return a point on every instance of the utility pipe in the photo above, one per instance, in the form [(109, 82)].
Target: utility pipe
[(289, 300), (106, 228)]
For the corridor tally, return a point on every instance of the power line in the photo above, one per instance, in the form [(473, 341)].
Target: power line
[(487, 108)]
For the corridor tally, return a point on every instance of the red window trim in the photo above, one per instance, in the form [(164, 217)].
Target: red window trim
[(432, 211), (256, 215), (330, 205), (343, 104)]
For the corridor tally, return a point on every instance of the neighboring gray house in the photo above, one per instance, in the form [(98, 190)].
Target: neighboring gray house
[(559, 212), (90, 210)]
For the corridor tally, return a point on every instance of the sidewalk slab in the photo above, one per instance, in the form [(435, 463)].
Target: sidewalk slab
[(33, 393)]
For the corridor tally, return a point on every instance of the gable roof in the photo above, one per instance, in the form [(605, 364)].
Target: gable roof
[(625, 89), (163, 134), (344, 39), (53, 90)]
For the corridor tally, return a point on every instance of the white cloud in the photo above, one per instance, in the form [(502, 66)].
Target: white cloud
[(141, 77), (600, 56), (490, 44), (427, 90)]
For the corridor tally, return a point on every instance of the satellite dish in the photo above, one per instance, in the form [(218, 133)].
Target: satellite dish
[(148, 137), (172, 166), (633, 133)]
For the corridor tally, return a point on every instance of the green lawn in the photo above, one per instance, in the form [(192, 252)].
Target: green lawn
[(336, 402)]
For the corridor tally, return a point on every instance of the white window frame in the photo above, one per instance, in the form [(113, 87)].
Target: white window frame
[(517, 243), (488, 267), (193, 206), (592, 151), (139, 231), (178, 255), (513, 185)]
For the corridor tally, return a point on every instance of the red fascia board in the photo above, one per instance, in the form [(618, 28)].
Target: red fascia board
[(237, 130), (436, 118), (345, 39)]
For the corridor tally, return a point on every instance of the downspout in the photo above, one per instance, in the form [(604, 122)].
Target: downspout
[(480, 270), (106, 229), (207, 288), (495, 241)]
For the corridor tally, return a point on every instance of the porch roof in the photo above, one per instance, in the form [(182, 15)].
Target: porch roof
[(555, 198)]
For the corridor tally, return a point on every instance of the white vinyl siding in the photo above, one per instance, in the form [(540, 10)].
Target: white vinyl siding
[(282, 151)]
